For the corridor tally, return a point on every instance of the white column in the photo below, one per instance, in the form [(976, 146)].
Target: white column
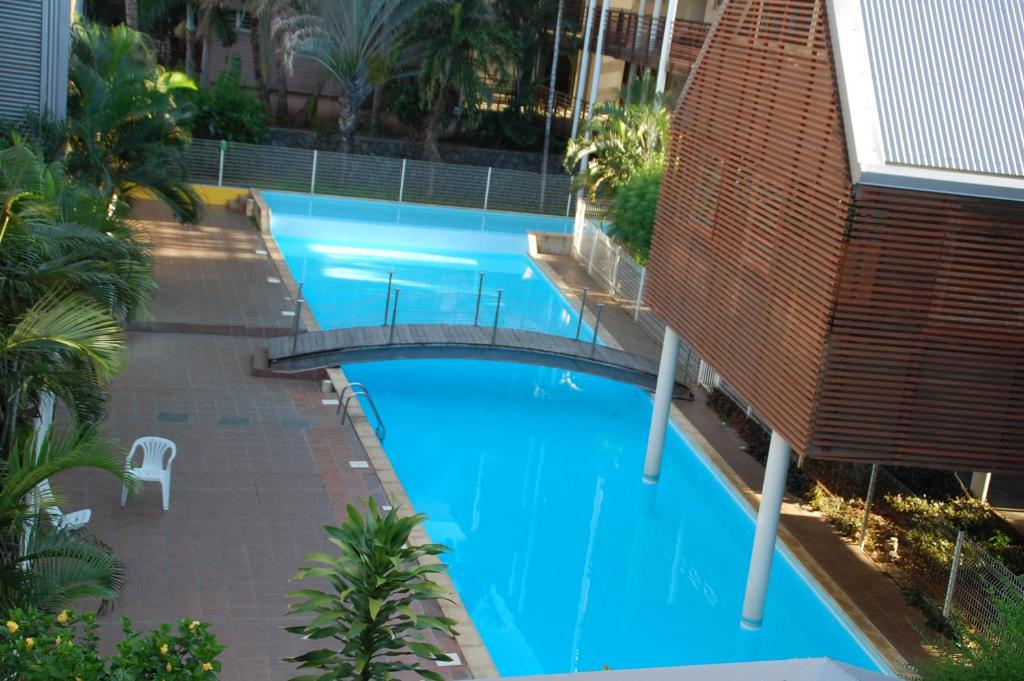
[(662, 405), (655, 19), (979, 485), (767, 528), (581, 81), (640, 16), (666, 45)]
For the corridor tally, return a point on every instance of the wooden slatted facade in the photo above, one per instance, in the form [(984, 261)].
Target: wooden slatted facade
[(862, 323)]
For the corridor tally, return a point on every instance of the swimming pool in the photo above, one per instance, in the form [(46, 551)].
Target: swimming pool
[(565, 560)]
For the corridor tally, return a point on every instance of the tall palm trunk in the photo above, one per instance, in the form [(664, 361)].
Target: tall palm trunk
[(375, 108), (430, 151), (131, 13), (551, 103), (347, 115), (257, 59), (280, 91)]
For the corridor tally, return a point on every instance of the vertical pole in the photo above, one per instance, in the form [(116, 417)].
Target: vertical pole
[(615, 271), (387, 300), (593, 249), (597, 325), (666, 46), (312, 174), (686, 368), (768, 515), (655, 18), (401, 182), (640, 16), (867, 506), (549, 113), (583, 308), (953, 570), (595, 83), (662, 405), (980, 482), (220, 166), (568, 203), (297, 317), (640, 294), (479, 295), (581, 81), (394, 316), (487, 190), (497, 311)]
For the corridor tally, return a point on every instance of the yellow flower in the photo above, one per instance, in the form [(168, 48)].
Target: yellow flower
[(29, 642), (168, 667), (163, 649), (195, 625), (57, 641), (12, 626), (207, 667), (63, 617)]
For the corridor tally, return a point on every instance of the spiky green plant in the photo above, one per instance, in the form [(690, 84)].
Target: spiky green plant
[(369, 616)]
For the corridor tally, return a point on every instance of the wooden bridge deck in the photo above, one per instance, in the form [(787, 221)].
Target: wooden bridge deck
[(323, 349)]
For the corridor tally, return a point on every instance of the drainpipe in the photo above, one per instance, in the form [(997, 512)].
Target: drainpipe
[(666, 45), (768, 516), (662, 405), (581, 81)]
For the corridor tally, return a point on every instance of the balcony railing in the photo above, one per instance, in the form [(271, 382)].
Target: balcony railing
[(638, 39)]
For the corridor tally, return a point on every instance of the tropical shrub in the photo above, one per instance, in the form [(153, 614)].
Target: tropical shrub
[(369, 615), (995, 654), (38, 646), (227, 111), (632, 212)]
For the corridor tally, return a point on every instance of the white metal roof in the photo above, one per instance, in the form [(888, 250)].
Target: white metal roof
[(933, 93)]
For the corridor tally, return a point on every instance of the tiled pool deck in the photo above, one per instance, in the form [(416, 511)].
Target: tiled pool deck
[(262, 463)]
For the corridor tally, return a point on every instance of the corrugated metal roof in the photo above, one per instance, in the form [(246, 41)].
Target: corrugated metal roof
[(948, 76)]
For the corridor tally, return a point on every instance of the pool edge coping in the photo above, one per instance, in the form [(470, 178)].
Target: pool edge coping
[(805, 562), (475, 656)]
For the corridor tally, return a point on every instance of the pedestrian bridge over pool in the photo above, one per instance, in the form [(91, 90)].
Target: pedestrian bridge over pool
[(324, 349)]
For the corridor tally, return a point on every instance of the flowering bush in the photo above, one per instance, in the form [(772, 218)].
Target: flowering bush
[(37, 646)]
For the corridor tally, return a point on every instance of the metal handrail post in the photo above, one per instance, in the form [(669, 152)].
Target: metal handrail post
[(220, 166), (487, 189), (387, 301), (479, 295), (597, 326), (953, 570), (312, 174), (401, 182), (583, 307), (394, 315), (298, 315), (497, 311)]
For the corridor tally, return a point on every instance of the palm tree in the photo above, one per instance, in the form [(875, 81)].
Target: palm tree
[(267, 16), (462, 49), (621, 139), (550, 111), (41, 565), (345, 37), (126, 130), (131, 13)]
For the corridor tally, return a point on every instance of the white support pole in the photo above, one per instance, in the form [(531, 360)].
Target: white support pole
[(640, 15), (581, 81), (595, 82), (401, 182), (220, 166), (868, 498), (312, 174), (640, 294), (768, 515), (487, 189), (662, 405), (954, 569), (652, 41), (980, 482), (666, 46)]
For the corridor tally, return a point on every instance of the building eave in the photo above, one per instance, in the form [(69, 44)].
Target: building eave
[(942, 182)]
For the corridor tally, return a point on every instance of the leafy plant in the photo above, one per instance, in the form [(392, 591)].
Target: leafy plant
[(370, 614), (227, 111), (632, 212), (995, 654), (39, 646)]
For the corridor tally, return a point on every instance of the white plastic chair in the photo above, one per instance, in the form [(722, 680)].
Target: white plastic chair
[(154, 468), (59, 519)]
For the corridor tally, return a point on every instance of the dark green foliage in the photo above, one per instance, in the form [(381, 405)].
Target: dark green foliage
[(369, 617), (402, 98), (227, 111), (995, 654), (632, 212), (36, 646)]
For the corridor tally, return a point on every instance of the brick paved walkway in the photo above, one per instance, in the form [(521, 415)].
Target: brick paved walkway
[(261, 463)]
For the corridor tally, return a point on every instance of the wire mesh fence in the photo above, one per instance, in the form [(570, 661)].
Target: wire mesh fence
[(237, 164)]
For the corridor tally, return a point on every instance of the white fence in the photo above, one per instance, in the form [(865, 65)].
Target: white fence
[(235, 164)]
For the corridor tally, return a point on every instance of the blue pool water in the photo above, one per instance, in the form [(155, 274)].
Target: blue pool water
[(564, 558)]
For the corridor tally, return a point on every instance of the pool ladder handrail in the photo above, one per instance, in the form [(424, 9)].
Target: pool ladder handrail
[(359, 390)]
